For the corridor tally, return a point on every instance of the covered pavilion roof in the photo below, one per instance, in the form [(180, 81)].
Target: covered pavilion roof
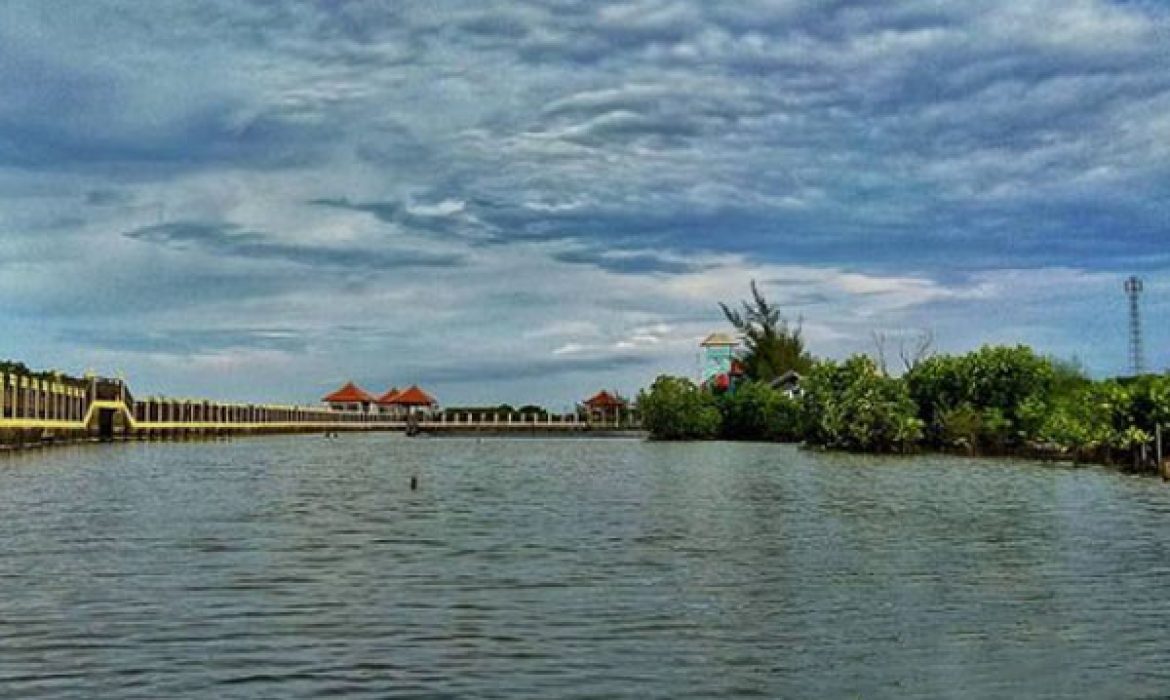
[(389, 396), (413, 397), (350, 393), (604, 399)]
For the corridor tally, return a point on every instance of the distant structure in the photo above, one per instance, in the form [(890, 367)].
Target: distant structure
[(1137, 360), (394, 403), (350, 397), (412, 400), (605, 406), (718, 354)]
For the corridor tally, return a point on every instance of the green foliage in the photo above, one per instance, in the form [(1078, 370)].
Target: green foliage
[(20, 369), (1107, 420), (854, 406), (755, 411), (675, 409), (994, 397), (773, 346)]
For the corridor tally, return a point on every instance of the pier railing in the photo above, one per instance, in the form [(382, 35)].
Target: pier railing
[(51, 407), (489, 420)]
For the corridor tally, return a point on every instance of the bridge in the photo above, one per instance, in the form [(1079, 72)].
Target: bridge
[(48, 409)]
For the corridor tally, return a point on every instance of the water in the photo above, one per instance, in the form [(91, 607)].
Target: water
[(297, 567)]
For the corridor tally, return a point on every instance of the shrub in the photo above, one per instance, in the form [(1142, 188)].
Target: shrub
[(854, 406), (676, 409), (993, 397), (756, 411)]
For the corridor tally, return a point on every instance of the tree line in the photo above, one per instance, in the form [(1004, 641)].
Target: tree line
[(995, 400)]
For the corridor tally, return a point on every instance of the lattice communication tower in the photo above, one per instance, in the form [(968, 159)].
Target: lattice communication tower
[(1133, 289)]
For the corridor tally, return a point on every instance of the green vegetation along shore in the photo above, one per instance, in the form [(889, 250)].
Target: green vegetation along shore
[(992, 401)]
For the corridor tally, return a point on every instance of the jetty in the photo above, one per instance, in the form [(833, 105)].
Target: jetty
[(45, 409)]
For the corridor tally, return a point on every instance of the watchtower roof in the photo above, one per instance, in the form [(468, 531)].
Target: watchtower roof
[(719, 340)]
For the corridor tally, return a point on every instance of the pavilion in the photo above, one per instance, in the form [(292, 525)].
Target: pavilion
[(385, 402), (350, 397), (604, 406), (411, 400)]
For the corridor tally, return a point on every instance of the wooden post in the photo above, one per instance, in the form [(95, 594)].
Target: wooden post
[(1162, 468)]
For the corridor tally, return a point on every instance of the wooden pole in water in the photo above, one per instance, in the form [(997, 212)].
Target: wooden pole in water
[(1162, 469)]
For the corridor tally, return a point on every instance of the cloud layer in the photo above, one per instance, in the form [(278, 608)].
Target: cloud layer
[(526, 200)]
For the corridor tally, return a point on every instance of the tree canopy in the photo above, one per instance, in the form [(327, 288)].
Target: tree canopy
[(773, 346)]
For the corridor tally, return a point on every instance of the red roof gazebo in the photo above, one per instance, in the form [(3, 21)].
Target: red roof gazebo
[(349, 397), (604, 399), (350, 393), (388, 398), (605, 406), (412, 398)]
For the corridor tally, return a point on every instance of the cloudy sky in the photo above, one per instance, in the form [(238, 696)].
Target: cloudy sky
[(525, 201)]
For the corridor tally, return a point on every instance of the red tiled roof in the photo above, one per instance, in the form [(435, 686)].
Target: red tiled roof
[(389, 396), (604, 399), (413, 397), (350, 393)]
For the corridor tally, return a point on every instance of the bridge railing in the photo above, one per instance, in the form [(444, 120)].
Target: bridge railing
[(174, 412), (503, 420), (42, 397), (54, 399)]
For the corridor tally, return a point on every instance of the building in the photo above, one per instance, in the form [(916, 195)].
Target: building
[(718, 355), (386, 406), (350, 397), (605, 407), (412, 400), (788, 383)]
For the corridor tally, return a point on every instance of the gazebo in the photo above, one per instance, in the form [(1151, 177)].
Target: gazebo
[(385, 402), (350, 397), (604, 406), (413, 400)]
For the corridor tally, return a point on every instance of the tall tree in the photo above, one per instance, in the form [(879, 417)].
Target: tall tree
[(772, 345)]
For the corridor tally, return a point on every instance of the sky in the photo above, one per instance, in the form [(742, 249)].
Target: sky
[(528, 201)]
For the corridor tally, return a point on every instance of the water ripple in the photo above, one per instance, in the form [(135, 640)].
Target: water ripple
[(301, 568)]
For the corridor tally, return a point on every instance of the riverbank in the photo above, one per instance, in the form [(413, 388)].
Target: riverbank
[(993, 401)]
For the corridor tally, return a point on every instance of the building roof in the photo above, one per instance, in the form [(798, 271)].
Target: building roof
[(604, 399), (413, 397), (789, 378), (389, 396), (718, 340), (350, 393)]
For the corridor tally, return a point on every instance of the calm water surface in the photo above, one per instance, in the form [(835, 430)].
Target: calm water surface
[(297, 567)]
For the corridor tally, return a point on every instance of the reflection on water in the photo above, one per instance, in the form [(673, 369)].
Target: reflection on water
[(297, 567)]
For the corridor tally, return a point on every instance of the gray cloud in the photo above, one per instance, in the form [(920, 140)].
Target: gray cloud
[(191, 341), (228, 239), (627, 263)]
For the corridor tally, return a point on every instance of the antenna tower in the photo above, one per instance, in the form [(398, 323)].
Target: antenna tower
[(1133, 289)]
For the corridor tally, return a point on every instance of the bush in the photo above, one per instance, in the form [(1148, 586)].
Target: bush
[(994, 397), (756, 411), (854, 406), (1109, 420), (676, 409)]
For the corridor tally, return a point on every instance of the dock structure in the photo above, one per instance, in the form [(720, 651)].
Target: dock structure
[(40, 409)]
